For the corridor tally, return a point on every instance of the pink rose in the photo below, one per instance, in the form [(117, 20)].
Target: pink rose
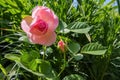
[(61, 45), (40, 27)]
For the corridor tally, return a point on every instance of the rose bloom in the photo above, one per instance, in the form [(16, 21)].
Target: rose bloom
[(40, 27), (61, 45)]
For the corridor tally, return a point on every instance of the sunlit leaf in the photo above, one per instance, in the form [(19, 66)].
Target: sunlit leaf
[(3, 69), (16, 58), (2, 3), (62, 27), (13, 57), (24, 38), (79, 27), (78, 57), (29, 70), (88, 37), (93, 49)]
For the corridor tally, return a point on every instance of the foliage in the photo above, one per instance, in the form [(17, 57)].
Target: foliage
[(91, 32)]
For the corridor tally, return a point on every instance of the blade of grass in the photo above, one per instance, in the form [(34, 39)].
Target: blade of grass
[(118, 3), (3, 70)]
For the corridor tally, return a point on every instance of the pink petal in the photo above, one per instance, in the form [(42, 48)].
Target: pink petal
[(48, 39), (38, 27), (56, 21), (46, 15), (25, 24), (35, 11), (61, 45)]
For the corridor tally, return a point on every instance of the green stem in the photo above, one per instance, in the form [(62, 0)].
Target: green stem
[(17, 72), (44, 48), (64, 65)]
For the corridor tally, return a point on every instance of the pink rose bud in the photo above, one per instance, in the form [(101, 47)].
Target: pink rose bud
[(40, 27), (61, 45)]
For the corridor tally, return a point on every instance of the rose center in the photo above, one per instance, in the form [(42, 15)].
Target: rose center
[(40, 27)]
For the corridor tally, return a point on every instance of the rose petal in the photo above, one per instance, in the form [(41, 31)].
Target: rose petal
[(38, 27), (48, 39), (25, 24), (35, 11), (47, 15), (56, 21)]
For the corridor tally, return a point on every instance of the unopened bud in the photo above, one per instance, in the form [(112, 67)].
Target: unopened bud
[(61, 45)]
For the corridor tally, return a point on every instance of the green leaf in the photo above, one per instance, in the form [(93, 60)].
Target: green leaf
[(16, 58), (93, 49), (62, 27), (45, 67), (14, 11), (33, 65), (85, 30), (73, 47), (12, 4), (62, 24), (25, 59), (29, 64), (29, 70), (78, 57), (3, 69), (13, 57), (74, 77), (101, 2), (116, 62), (24, 38), (2, 3), (88, 37), (79, 27)]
